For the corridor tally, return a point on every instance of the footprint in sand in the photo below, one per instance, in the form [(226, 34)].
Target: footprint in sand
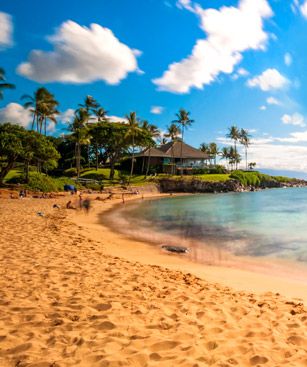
[(258, 360), (161, 346)]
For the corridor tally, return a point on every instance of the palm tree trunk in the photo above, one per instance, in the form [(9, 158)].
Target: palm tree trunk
[(96, 153), (132, 159), (236, 163), (246, 157), (181, 159), (78, 158), (148, 164), (33, 121)]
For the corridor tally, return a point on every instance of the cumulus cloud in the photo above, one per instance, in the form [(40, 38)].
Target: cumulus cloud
[(279, 156), (67, 115), (156, 110), (6, 30), (270, 79), (230, 31), (287, 153), (16, 114), (81, 55), (262, 108), (273, 101), (295, 119), (303, 9)]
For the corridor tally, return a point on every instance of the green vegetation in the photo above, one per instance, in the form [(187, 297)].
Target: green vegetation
[(44, 163), (256, 178)]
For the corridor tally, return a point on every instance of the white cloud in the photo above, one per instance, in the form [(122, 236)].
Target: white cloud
[(279, 156), (241, 72), (67, 115), (287, 153), (273, 101), (288, 59), (156, 110), (296, 119), (16, 114), (117, 119), (81, 55), (262, 108), (185, 4), (230, 31), (303, 9), (270, 79), (6, 30)]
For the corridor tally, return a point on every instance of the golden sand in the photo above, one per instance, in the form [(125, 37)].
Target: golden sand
[(66, 301)]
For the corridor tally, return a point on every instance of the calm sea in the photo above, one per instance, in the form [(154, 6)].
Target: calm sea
[(269, 224)]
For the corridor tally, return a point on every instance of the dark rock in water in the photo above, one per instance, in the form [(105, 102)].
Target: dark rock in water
[(177, 249)]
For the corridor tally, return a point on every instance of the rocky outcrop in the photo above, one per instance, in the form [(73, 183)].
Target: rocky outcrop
[(200, 186), (194, 186)]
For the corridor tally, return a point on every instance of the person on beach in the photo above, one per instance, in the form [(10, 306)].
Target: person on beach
[(86, 205), (69, 205)]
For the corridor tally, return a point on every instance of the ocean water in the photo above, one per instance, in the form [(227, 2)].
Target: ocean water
[(270, 223)]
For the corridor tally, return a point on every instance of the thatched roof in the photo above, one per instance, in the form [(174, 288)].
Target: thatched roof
[(173, 149), (152, 152)]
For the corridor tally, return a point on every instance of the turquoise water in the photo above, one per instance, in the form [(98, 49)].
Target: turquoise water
[(270, 223)]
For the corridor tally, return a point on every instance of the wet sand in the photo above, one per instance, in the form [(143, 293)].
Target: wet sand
[(76, 293)]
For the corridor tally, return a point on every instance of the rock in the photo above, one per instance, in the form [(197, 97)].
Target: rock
[(177, 249)]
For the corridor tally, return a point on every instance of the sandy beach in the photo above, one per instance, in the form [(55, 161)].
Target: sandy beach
[(76, 293)]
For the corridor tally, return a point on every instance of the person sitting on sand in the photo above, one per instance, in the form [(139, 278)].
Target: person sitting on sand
[(69, 205)]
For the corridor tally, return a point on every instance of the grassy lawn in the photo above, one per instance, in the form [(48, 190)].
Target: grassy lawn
[(213, 177), (13, 173)]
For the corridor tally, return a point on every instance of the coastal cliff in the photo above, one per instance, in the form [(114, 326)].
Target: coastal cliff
[(195, 185)]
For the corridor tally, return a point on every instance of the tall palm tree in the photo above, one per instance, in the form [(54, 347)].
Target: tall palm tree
[(154, 133), (3, 84), (173, 132), (205, 148), (90, 105), (183, 119), (225, 154), (43, 107), (132, 132), (214, 151), (234, 135), (101, 114), (79, 134), (234, 158), (245, 141)]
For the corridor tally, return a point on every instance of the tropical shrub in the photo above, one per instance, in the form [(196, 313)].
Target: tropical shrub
[(70, 172)]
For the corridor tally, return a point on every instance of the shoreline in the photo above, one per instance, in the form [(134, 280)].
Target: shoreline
[(75, 293), (255, 279)]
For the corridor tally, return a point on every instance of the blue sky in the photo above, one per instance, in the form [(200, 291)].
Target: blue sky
[(227, 62)]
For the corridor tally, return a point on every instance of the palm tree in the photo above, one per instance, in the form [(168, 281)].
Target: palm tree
[(234, 134), (214, 151), (173, 132), (43, 107), (154, 133), (79, 134), (245, 141), (183, 119), (90, 104), (225, 154), (132, 132), (205, 148), (234, 157), (101, 114), (3, 84)]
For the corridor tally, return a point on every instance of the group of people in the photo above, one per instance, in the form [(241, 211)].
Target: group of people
[(84, 204)]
